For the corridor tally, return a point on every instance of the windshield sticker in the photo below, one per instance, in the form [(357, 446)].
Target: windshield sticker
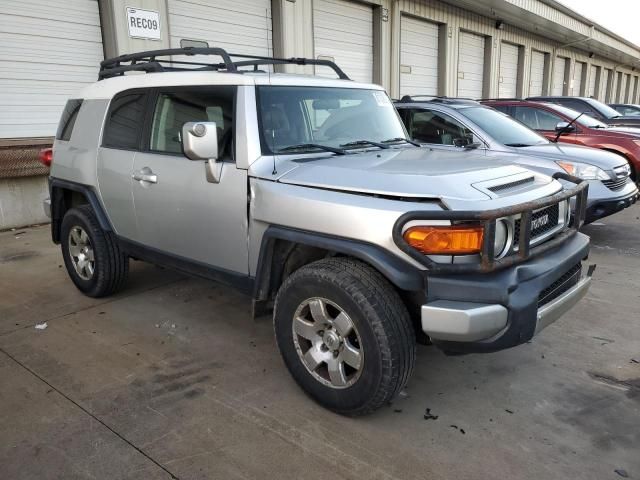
[(382, 99)]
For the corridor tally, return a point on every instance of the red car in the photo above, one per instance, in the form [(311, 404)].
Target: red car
[(551, 119)]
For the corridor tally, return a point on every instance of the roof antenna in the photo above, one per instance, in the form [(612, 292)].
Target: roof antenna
[(273, 130)]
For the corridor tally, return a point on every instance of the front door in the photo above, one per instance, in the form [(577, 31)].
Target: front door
[(178, 211)]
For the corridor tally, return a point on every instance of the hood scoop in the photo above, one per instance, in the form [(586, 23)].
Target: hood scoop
[(511, 185)]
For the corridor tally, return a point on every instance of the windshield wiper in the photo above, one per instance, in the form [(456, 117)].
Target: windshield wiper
[(361, 143), (401, 139), (518, 145), (566, 128), (312, 146)]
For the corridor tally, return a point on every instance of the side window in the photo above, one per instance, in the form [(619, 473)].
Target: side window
[(438, 128), (68, 119), (502, 108), (537, 119), (124, 123), (174, 109), (582, 107)]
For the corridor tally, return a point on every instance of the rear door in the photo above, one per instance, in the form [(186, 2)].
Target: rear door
[(179, 212)]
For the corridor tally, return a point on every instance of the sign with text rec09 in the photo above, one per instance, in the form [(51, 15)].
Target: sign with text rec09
[(143, 23)]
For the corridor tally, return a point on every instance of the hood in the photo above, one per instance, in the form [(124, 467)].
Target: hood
[(631, 121), (420, 173), (621, 131), (563, 151)]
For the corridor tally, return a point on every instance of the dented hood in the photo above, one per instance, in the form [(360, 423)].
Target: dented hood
[(408, 172)]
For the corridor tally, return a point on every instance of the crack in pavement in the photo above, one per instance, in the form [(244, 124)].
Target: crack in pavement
[(89, 413)]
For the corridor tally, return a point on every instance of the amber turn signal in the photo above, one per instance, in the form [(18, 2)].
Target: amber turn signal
[(445, 240)]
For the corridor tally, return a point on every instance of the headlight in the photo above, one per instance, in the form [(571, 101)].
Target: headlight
[(584, 170), (502, 237)]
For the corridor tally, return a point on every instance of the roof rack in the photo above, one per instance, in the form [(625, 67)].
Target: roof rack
[(508, 99), (436, 99), (149, 62)]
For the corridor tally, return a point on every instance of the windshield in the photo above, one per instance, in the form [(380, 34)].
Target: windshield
[(585, 120), (503, 128), (604, 109), (309, 118)]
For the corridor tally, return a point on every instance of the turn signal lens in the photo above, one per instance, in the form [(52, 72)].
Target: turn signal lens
[(444, 240)]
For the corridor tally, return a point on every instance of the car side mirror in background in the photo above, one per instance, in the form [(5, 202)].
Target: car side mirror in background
[(564, 127), (200, 142)]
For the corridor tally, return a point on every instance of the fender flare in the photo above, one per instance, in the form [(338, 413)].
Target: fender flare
[(399, 272), (57, 187)]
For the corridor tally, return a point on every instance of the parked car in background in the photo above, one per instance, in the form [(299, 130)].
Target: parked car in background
[(454, 123), (551, 120), (626, 109), (593, 108)]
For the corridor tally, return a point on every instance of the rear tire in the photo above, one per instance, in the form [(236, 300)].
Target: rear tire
[(345, 335), (92, 256)]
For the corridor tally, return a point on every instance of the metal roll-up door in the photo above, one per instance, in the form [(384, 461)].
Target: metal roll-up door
[(578, 74), (418, 57), (239, 26), (593, 76), (627, 94), (606, 90), (470, 65), (343, 32), (508, 84), (559, 77), (536, 77), (47, 54)]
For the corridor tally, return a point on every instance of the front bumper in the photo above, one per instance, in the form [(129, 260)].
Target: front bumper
[(603, 207), (489, 312)]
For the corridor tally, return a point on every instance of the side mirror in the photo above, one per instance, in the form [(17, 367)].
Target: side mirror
[(564, 127), (200, 142)]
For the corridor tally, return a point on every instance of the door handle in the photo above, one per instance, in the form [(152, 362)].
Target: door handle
[(145, 175)]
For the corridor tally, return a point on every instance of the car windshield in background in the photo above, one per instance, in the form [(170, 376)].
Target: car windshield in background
[(584, 120), (604, 109), (313, 119), (503, 128)]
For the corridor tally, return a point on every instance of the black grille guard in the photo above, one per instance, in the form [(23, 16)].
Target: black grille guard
[(488, 218)]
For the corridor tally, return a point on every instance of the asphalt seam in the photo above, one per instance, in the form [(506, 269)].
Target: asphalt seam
[(100, 421)]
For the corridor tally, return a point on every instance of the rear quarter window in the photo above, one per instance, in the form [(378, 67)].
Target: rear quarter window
[(123, 126), (68, 119)]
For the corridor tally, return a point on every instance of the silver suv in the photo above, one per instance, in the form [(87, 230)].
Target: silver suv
[(306, 193)]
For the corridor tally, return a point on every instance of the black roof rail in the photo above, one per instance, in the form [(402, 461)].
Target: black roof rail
[(507, 99), (436, 99), (149, 62)]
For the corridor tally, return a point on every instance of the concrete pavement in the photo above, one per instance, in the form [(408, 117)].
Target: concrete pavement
[(172, 378)]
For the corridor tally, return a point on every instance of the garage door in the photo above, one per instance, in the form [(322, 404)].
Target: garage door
[(470, 65), (559, 76), (508, 84), (578, 78), (239, 26), (593, 76), (536, 78), (47, 54), (418, 57), (343, 31)]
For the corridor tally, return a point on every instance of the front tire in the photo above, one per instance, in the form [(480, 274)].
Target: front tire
[(92, 256), (345, 335)]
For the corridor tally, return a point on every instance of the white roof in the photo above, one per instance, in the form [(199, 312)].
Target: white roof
[(106, 89)]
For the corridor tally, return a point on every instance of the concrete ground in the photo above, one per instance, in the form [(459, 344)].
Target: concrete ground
[(173, 379)]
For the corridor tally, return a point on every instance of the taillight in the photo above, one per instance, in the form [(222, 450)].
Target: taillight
[(46, 156)]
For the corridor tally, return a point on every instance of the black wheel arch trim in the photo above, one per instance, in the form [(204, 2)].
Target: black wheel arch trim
[(57, 187), (399, 272)]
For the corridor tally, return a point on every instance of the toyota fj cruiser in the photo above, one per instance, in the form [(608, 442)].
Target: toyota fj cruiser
[(306, 193)]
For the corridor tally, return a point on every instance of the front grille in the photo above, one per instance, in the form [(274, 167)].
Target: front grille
[(616, 184), (557, 288), (552, 214)]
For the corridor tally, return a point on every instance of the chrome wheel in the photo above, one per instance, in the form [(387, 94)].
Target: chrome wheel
[(81, 253), (327, 343)]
